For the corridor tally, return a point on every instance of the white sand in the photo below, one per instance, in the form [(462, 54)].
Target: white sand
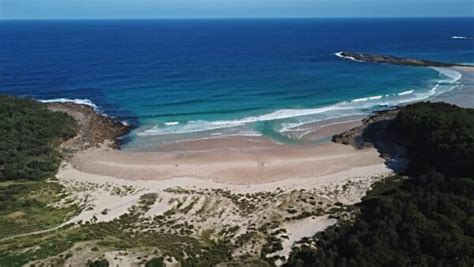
[(297, 230)]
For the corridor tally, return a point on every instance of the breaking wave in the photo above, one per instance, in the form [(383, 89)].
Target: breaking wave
[(357, 106), (462, 37), (79, 101), (409, 92)]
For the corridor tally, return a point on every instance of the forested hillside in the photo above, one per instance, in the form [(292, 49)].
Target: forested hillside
[(426, 217)]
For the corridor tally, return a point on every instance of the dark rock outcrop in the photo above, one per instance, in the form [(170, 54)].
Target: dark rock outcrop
[(366, 134), (94, 129), (373, 133)]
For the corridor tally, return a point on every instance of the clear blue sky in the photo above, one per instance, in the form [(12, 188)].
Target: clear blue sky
[(114, 9)]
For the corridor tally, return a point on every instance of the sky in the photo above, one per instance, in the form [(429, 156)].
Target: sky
[(117, 9)]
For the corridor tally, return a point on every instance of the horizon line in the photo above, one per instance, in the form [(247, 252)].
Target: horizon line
[(244, 18)]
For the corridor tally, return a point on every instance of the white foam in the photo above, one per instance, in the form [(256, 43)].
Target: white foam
[(459, 37), (86, 102), (375, 97), (363, 99), (248, 133), (452, 74), (298, 126), (360, 99), (409, 92), (171, 123), (339, 54)]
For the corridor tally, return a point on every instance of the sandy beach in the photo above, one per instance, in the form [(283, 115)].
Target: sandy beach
[(245, 165)]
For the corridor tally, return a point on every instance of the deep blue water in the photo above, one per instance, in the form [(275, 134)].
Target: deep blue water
[(204, 77)]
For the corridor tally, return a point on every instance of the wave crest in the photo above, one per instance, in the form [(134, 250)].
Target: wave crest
[(409, 92), (86, 102)]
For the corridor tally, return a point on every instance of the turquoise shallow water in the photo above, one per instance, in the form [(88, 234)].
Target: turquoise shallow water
[(196, 78)]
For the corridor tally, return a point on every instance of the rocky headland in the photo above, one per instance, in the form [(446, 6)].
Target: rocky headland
[(94, 129)]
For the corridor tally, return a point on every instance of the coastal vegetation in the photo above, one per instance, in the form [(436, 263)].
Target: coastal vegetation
[(29, 201), (29, 136), (423, 218), (126, 233)]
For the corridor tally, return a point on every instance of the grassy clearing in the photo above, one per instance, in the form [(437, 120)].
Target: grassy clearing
[(28, 206)]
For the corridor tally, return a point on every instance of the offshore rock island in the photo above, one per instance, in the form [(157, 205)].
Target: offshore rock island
[(372, 58)]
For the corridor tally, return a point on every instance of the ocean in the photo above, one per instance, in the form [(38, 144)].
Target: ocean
[(181, 79)]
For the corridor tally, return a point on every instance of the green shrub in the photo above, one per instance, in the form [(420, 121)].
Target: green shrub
[(99, 263), (155, 262)]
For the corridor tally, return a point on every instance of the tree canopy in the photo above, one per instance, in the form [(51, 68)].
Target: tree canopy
[(29, 136), (438, 136)]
